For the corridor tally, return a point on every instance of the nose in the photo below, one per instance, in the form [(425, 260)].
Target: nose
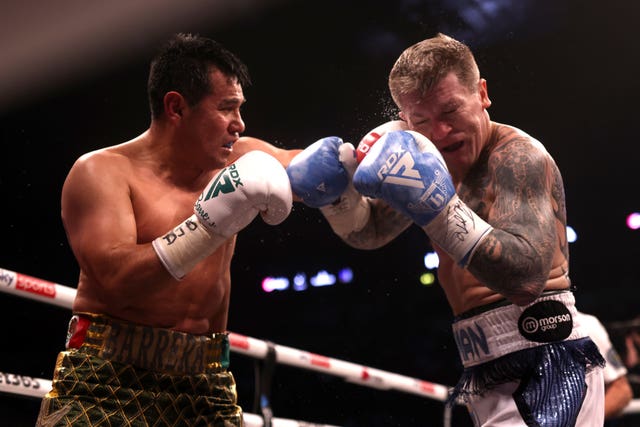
[(439, 130), (237, 124)]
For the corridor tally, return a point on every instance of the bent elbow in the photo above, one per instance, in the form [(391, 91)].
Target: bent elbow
[(527, 293)]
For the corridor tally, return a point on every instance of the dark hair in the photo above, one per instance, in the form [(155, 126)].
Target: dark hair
[(183, 65)]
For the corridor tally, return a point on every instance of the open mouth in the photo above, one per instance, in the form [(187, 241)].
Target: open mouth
[(453, 147), (228, 144)]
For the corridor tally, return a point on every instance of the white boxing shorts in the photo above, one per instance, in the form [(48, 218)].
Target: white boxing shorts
[(530, 365)]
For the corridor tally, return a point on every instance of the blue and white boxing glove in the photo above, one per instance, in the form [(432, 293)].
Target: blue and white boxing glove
[(321, 177), (375, 134), (317, 176), (351, 211), (407, 171)]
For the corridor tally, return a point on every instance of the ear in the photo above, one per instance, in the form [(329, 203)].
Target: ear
[(402, 116), (174, 105), (484, 94)]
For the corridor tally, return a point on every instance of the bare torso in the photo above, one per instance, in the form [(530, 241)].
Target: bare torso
[(536, 216), (463, 290), (196, 304), (121, 275)]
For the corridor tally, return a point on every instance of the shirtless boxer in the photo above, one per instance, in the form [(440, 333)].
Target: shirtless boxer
[(152, 223), (491, 200)]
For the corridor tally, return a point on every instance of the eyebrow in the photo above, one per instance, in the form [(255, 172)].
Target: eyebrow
[(230, 102)]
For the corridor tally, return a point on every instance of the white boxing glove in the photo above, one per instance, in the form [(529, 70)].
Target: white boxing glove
[(351, 211), (255, 183)]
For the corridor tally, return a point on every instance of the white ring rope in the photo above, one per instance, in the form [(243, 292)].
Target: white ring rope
[(24, 386), (53, 293)]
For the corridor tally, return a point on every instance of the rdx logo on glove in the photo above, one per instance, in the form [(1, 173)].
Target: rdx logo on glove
[(399, 169), (223, 183), (226, 182)]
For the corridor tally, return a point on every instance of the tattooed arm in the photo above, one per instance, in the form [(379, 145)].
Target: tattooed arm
[(523, 200), (384, 225)]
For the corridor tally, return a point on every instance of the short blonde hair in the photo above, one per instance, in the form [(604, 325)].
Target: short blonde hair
[(421, 66)]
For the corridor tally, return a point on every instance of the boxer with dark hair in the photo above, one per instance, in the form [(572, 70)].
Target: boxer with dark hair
[(152, 223)]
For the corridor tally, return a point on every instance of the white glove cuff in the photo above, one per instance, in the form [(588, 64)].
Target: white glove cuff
[(184, 246), (458, 230), (348, 214)]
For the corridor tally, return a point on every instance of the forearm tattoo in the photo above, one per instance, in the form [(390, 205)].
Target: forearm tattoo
[(384, 225), (522, 180)]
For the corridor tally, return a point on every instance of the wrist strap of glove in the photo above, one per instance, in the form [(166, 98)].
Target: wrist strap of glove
[(351, 211), (347, 214), (184, 246), (458, 230)]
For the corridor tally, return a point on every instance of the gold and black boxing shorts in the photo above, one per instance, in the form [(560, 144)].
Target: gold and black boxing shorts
[(117, 373), (156, 349)]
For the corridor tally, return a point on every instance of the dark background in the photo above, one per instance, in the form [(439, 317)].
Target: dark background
[(74, 77)]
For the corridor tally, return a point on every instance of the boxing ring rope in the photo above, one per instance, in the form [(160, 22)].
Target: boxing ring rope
[(48, 292), (26, 286)]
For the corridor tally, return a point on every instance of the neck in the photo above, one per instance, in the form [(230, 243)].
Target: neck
[(172, 162)]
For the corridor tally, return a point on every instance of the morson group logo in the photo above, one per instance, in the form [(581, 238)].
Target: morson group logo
[(546, 321)]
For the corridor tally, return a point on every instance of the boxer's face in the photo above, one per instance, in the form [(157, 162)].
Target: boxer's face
[(453, 117), (215, 123)]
